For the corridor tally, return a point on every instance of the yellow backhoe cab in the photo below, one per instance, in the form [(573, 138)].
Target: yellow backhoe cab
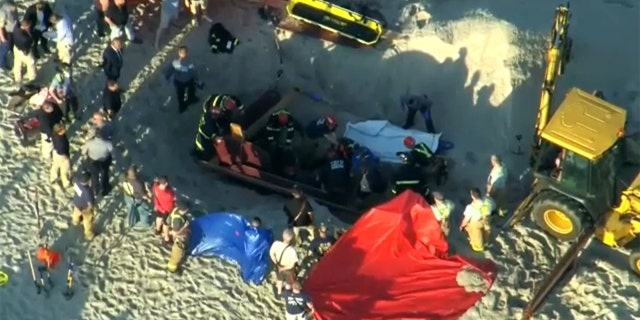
[(576, 159)]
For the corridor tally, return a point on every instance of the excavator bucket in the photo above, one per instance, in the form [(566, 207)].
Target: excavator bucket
[(558, 272)]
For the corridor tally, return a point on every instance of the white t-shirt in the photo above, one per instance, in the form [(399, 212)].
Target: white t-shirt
[(472, 213), (286, 255)]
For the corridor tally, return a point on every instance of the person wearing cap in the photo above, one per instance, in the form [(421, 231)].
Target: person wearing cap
[(297, 304), (285, 258), (408, 176), (442, 209), (179, 231), (413, 104), (84, 204), (300, 214), (322, 243)]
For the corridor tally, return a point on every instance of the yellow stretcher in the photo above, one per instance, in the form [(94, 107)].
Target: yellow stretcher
[(336, 19)]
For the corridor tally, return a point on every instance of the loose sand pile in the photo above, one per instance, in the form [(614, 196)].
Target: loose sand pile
[(480, 62), (471, 280)]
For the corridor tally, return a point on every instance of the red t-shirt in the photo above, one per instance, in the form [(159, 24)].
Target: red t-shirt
[(163, 200)]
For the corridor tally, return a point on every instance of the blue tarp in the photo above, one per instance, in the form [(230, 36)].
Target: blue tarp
[(231, 237)]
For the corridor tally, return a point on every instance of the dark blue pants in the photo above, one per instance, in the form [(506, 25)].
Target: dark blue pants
[(5, 48)]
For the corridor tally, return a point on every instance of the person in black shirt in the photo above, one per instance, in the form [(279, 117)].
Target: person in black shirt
[(300, 214), (321, 244), (38, 15), (111, 99), (297, 304), (61, 165), (84, 204), (117, 17), (48, 116), (23, 53), (334, 176)]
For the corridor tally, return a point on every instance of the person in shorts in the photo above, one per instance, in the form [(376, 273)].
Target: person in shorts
[(168, 14), (285, 258), (164, 201)]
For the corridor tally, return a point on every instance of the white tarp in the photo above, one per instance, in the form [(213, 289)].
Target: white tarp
[(385, 139)]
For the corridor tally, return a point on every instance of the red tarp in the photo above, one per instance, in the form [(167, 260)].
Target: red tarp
[(392, 264)]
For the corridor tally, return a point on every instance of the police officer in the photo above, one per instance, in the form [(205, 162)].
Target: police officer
[(183, 73), (414, 103), (280, 128), (408, 176), (179, 230), (476, 221), (442, 211), (83, 204), (334, 176), (323, 127)]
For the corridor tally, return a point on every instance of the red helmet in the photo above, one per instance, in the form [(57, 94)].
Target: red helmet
[(229, 103), (409, 142), (283, 118), (331, 121)]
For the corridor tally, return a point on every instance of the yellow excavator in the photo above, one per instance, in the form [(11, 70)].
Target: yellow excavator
[(577, 161)]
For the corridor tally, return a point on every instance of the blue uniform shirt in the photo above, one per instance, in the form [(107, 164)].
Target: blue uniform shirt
[(83, 197), (317, 129), (295, 303)]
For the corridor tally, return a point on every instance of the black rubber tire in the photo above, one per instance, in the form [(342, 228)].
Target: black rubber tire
[(573, 210), (634, 261)]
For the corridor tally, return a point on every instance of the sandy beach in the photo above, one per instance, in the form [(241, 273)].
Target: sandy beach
[(481, 63)]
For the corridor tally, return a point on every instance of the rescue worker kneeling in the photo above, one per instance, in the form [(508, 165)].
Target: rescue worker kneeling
[(179, 229), (334, 177), (423, 157), (477, 221), (215, 122), (408, 177)]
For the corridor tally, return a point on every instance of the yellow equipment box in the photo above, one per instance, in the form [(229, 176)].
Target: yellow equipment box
[(336, 19)]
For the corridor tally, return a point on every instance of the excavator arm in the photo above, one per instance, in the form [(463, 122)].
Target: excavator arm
[(559, 271), (557, 55)]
